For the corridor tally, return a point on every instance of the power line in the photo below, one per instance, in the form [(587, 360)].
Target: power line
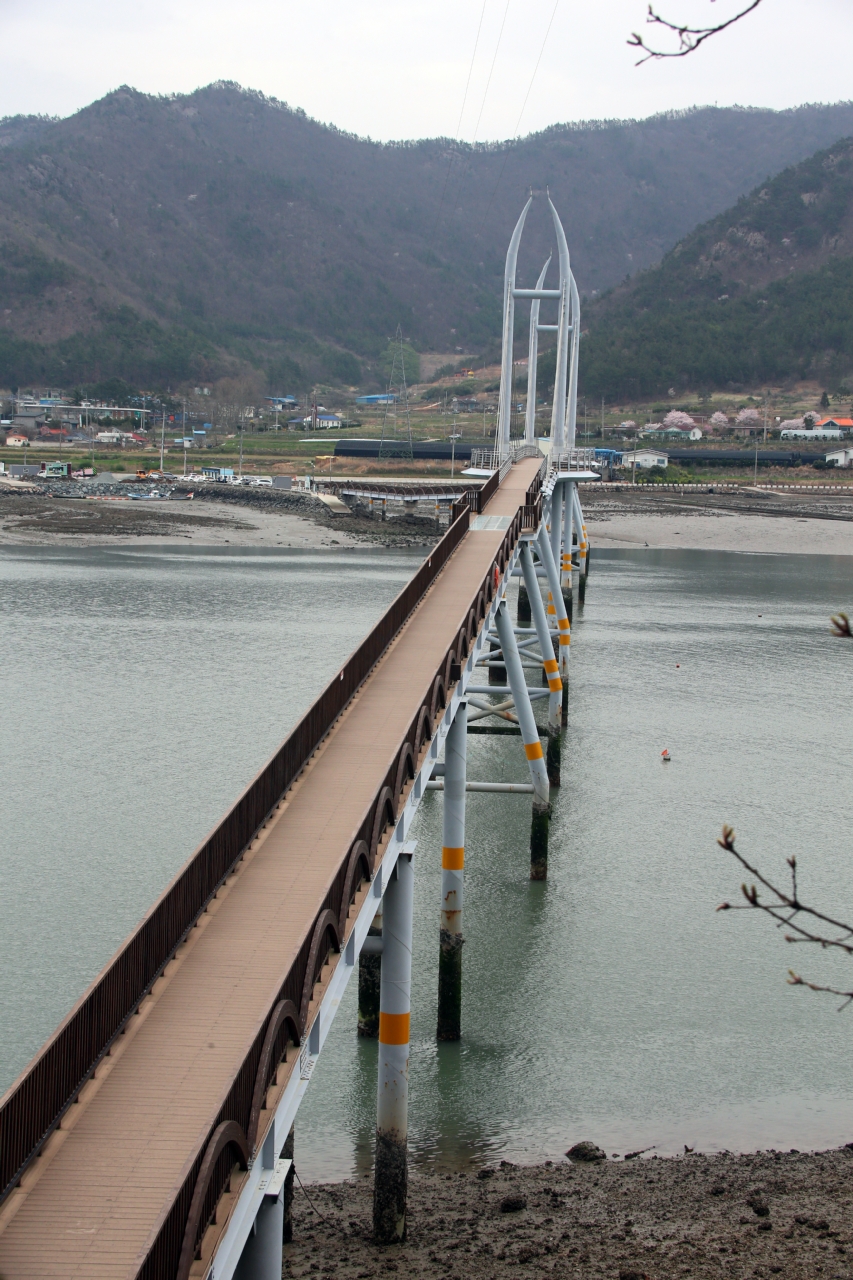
[(459, 125), (520, 114), (491, 70), (483, 103)]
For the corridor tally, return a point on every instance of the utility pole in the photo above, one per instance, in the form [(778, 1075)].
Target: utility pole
[(242, 428), (162, 439)]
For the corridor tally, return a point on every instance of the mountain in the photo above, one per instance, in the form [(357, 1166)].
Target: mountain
[(162, 239), (761, 293)]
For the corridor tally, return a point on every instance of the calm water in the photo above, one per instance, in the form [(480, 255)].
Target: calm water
[(612, 1003), (142, 691)]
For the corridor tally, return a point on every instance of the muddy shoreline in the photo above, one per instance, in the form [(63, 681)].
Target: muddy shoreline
[(747, 520), (768, 1213), (251, 519)]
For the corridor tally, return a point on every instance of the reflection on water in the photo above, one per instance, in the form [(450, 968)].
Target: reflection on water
[(612, 1003)]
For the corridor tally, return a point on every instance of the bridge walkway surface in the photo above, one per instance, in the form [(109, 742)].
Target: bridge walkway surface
[(93, 1203)]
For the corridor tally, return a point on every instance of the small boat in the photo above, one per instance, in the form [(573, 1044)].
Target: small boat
[(665, 756)]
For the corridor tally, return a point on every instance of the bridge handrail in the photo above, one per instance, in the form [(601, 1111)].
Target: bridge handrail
[(162, 1255), (35, 1103)]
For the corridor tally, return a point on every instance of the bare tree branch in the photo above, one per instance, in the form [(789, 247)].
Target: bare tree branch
[(689, 38), (841, 626), (788, 910)]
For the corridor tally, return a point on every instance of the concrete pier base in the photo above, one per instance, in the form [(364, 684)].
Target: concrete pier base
[(389, 1190), (552, 755), (497, 675), (392, 1097), (369, 979), (449, 1025), (449, 1022), (539, 827)]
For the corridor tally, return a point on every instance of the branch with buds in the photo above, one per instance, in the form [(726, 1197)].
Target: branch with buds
[(787, 909), (801, 922), (689, 38)]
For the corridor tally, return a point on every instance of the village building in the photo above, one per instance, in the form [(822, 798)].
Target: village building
[(646, 458)]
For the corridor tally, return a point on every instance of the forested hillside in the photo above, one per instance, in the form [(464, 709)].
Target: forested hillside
[(163, 239), (763, 292)]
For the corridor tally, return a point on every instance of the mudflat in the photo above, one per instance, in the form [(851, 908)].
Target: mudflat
[(750, 520), (771, 1213), (36, 519)]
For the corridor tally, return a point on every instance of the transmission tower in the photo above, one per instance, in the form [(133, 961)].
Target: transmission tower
[(396, 441)]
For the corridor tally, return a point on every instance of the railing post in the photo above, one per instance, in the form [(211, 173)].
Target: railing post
[(452, 879), (532, 747), (391, 1174)]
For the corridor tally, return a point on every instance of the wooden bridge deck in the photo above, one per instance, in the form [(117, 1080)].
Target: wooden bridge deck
[(92, 1204)]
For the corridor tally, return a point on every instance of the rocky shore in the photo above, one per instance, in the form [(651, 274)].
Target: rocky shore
[(769, 1213)]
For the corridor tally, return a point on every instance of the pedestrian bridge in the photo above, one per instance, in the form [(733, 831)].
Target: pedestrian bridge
[(149, 1136)]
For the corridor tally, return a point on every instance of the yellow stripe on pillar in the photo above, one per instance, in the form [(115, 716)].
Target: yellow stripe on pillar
[(550, 665), (555, 684), (533, 751), (452, 859), (394, 1028), (564, 624)]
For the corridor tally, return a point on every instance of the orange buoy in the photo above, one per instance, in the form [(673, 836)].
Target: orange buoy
[(665, 756)]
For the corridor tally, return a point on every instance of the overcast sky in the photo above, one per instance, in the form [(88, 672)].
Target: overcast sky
[(392, 70)]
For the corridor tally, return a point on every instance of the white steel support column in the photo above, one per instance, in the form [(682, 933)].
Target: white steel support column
[(505, 397), (568, 534), (572, 396), (390, 1182), (583, 549), (532, 359), (563, 625), (532, 746), (556, 520), (543, 634), (549, 662), (558, 412), (452, 879)]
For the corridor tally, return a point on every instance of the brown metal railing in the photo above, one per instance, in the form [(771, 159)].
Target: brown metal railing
[(34, 1105), (161, 1261)]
